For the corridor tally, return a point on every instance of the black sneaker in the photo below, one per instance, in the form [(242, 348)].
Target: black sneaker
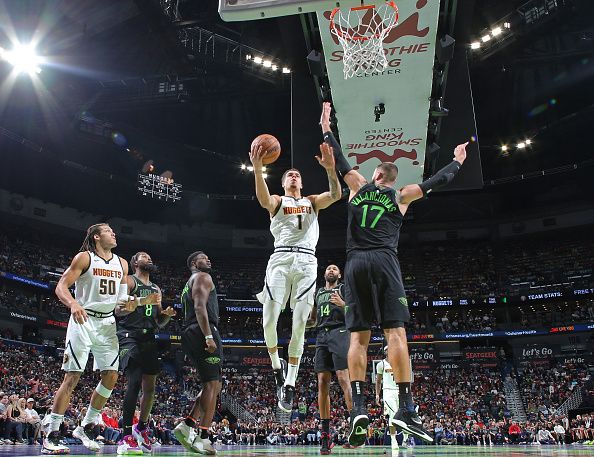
[(285, 403), (359, 424), (325, 444), (410, 422), (279, 378)]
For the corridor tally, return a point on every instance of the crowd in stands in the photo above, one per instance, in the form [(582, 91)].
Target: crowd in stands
[(461, 268), (544, 387), (464, 406)]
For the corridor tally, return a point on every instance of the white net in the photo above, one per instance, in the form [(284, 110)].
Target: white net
[(361, 32)]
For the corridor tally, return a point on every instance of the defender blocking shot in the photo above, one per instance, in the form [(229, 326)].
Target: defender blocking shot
[(373, 282)]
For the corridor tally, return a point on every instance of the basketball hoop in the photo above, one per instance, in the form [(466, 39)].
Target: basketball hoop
[(361, 32)]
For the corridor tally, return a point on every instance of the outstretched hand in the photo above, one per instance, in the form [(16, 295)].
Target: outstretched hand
[(460, 153), (256, 156), (325, 118), (326, 159)]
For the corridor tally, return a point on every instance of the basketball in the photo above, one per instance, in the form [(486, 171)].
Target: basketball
[(270, 145)]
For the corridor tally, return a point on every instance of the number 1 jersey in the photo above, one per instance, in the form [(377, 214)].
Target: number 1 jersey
[(97, 288), (374, 219), (295, 223)]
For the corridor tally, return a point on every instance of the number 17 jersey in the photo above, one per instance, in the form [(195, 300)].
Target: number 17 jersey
[(374, 219)]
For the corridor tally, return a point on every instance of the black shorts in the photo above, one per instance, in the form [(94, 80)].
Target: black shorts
[(332, 347), (208, 364), (139, 351), (374, 291)]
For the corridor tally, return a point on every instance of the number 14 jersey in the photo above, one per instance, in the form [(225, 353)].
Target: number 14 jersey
[(374, 219), (96, 289), (295, 223)]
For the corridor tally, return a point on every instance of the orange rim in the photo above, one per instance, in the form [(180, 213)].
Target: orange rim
[(359, 8)]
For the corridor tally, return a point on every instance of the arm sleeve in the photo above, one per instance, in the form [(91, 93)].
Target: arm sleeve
[(441, 178), (342, 165)]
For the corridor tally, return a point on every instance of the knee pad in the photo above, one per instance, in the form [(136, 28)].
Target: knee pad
[(103, 391)]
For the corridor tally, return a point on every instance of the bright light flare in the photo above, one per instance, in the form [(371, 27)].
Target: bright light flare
[(475, 45), (496, 31), (23, 58)]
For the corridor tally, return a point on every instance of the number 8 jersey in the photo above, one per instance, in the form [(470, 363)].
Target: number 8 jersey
[(295, 223), (374, 219), (97, 288)]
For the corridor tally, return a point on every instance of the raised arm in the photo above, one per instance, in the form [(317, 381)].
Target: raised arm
[(79, 264), (412, 192), (325, 199), (351, 177), (267, 201)]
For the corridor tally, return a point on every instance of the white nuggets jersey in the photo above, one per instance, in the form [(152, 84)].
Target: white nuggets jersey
[(97, 288), (387, 373), (295, 224)]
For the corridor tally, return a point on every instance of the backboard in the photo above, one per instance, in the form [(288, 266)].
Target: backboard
[(400, 94)]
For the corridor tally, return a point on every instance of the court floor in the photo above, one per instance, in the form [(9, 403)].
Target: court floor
[(297, 451)]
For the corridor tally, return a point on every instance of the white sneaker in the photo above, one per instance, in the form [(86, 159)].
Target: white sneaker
[(203, 446), (80, 433), (54, 447), (185, 435), (129, 446)]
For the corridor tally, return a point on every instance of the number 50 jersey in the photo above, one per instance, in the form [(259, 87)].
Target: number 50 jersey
[(97, 288), (374, 219)]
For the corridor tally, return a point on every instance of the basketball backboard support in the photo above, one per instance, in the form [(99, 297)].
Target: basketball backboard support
[(400, 93), (249, 10)]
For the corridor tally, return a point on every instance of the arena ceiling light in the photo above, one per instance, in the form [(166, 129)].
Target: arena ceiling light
[(23, 58), (475, 45)]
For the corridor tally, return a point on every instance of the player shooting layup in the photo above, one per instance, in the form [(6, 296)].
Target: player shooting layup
[(292, 268)]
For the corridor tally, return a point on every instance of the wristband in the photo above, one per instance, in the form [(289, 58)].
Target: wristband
[(209, 337)]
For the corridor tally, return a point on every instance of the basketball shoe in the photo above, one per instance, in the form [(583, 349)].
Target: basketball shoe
[(359, 423), (185, 435), (129, 446), (203, 446), (279, 378), (409, 422), (53, 446), (142, 438), (85, 434), (326, 444), (285, 403)]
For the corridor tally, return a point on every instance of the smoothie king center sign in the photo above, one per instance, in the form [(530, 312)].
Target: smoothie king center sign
[(404, 87)]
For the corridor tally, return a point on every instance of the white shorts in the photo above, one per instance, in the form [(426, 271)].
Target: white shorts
[(391, 402), (95, 335), (290, 273)]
